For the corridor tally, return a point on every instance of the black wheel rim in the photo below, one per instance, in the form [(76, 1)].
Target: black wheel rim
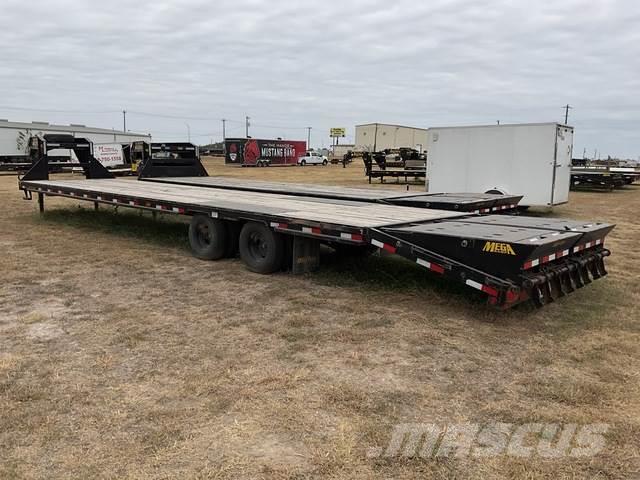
[(258, 247), (203, 235)]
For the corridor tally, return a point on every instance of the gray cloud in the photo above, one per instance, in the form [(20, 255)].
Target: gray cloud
[(292, 64)]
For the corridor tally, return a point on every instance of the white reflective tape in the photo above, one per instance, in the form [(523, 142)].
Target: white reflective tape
[(131, 202), (565, 253), (307, 230), (345, 235), (114, 200), (588, 245), (158, 207), (377, 243), (552, 256), (473, 283), (535, 263), (424, 263), (98, 198), (215, 215), (598, 242)]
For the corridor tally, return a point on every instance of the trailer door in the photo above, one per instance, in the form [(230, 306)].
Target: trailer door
[(562, 164)]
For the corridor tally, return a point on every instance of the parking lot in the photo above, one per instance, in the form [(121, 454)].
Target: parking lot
[(123, 356)]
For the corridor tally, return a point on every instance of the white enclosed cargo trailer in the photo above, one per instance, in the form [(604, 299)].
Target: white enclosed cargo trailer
[(14, 137), (533, 160)]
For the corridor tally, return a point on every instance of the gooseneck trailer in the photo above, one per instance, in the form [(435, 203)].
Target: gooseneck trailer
[(511, 259)]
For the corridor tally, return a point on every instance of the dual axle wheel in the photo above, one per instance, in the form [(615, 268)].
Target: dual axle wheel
[(261, 249)]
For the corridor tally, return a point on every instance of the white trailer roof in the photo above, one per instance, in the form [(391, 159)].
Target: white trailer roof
[(66, 128)]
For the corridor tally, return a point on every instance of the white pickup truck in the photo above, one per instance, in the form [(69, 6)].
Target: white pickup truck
[(312, 158)]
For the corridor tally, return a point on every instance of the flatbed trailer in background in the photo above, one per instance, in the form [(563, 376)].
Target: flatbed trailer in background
[(510, 259)]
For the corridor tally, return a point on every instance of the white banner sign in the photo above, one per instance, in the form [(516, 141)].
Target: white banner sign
[(109, 155)]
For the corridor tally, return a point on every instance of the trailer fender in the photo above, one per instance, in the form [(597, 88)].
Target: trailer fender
[(498, 190)]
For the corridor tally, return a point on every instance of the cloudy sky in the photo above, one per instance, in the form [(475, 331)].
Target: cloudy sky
[(292, 64)]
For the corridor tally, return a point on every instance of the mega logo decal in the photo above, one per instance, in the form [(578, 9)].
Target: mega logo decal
[(498, 247)]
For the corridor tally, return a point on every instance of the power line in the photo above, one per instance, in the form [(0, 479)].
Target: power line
[(39, 110)]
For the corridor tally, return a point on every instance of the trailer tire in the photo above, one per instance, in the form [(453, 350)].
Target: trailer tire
[(207, 237), (261, 249)]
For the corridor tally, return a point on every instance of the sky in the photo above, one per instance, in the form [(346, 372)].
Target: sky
[(180, 67)]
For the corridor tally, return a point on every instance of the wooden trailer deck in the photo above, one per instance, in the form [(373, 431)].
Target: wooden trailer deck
[(464, 202), (345, 193), (287, 207)]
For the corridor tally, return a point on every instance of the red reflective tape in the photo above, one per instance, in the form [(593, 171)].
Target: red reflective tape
[(357, 237), (489, 290), (437, 268), (389, 248), (316, 230)]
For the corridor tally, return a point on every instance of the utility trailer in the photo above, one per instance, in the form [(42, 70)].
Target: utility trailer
[(510, 259), (600, 179), (533, 160), (461, 202)]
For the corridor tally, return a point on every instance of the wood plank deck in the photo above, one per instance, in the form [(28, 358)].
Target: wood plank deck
[(346, 193), (302, 208)]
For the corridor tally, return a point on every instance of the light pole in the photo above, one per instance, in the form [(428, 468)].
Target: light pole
[(124, 120), (188, 131), (246, 126), (566, 113), (224, 132), (308, 138)]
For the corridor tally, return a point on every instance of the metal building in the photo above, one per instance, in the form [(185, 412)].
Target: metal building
[(14, 136), (380, 136)]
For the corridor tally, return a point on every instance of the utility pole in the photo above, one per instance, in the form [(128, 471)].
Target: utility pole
[(247, 126), (224, 131), (124, 120), (188, 131), (308, 138), (566, 113)]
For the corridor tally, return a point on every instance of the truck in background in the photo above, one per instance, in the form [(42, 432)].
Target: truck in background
[(533, 160), (263, 153)]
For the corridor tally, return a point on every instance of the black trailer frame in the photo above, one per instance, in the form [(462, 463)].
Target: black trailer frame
[(510, 259)]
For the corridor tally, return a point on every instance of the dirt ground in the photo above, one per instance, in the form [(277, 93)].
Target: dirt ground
[(121, 356)]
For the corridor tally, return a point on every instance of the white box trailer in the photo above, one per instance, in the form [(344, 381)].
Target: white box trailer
[(14, 138), (533, 160)]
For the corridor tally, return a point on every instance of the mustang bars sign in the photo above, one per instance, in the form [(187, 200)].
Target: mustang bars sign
[(249, 151)]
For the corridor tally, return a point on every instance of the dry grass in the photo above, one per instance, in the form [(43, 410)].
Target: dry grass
[(121, 356)]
